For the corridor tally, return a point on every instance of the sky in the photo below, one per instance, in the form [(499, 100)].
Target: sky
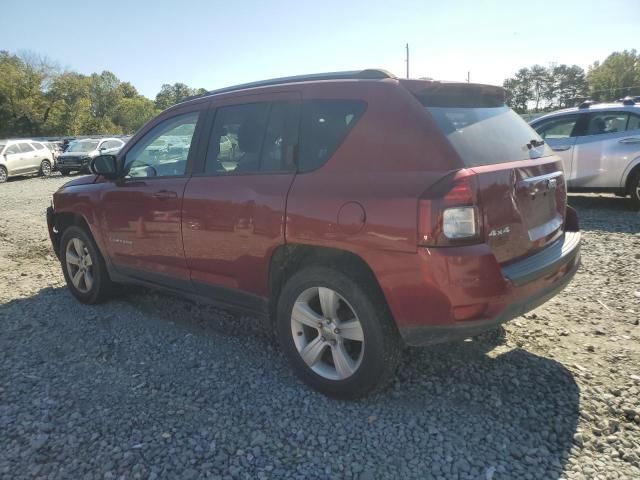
[(212, 44)]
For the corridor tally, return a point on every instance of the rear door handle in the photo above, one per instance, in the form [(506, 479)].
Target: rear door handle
[(165, 195), (630, 140), (561, 148)]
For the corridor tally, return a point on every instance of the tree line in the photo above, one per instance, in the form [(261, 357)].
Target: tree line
[(539, 88), (37, 98)]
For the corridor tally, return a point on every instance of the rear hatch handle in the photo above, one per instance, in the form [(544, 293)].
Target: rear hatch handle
[(540, 183)]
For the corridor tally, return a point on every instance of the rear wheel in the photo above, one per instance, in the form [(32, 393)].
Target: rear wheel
[(634, 190), (83, 266), (45, 168), (3, 174), (336, 332)]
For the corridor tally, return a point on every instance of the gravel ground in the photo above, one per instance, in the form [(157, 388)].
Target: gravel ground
[(149, 386)]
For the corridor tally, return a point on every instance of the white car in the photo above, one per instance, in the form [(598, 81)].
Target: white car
[(599, 145), (22, 157)]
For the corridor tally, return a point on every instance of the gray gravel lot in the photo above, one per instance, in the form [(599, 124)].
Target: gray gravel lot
[(149, 386)]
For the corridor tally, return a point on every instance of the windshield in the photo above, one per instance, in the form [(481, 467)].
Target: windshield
[(82, 146), (1, 147)]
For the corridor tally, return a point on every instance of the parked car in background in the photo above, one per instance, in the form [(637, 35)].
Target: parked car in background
[(55, 149), (599, 145), (360, 213), (79, 153), (23, 157)]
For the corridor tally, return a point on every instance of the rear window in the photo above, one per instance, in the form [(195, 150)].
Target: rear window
[(38, 146), (323, 127), (481, 129)]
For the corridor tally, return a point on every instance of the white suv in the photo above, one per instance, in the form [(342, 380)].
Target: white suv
[(22, 157), (599, 145)]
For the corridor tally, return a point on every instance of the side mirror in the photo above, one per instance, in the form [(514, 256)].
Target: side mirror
[(109, 166)]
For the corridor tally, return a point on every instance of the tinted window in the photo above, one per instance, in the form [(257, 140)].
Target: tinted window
[(165, 149), (634, 122), (25, 147), (607, 122), (37, 145), (324, 125), (11, 149), (558, 127), (235, 144), (484, 136)]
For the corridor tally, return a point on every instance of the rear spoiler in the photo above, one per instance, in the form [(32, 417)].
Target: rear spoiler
[(456, 95)]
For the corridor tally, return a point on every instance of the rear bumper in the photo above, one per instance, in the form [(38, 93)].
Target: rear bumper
[(500, 293)]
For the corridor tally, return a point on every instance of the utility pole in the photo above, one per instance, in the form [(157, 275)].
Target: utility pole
[(468, 77), (407, 60)]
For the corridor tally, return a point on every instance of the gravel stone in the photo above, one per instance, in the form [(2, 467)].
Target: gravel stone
[(152, 386)]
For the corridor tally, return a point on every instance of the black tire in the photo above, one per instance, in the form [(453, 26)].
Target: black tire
[(634, 191), (101, 285), (64, 173), (3, 174), (381, 346), (45, 168)]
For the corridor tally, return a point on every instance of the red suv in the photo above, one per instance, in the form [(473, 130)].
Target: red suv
[(357, 211)]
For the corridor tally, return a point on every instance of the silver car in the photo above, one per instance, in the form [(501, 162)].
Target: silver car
[(599, 145), (23, 157)]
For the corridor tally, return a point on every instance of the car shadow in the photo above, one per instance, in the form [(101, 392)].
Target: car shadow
[(182, 372)]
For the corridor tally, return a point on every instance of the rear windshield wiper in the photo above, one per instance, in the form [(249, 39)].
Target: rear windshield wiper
[(535, 144)]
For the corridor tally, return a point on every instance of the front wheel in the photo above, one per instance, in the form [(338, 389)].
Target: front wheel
[(83, 266), (337, 333), (635, 192), (45, 168), (3, 174)]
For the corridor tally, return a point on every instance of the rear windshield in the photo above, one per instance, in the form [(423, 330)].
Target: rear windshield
[(483, 131)]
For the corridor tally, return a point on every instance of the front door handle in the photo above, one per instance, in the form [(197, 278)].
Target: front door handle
[(561, 148), (630, 140), (165, 195)]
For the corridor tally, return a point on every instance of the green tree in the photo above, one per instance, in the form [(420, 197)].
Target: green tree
[(519, 90), (618, 76), (169, 95), (134, 112)]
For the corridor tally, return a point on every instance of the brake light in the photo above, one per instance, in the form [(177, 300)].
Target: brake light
[(449, 214)]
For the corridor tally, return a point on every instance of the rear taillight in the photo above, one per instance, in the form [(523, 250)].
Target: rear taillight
[(449, 214)]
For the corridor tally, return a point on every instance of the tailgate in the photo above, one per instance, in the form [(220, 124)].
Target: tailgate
[(523, 205)]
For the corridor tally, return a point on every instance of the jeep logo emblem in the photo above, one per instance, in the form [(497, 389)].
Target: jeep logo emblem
[(552, 183)]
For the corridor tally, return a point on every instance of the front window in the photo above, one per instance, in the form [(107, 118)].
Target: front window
[(165, 149), (83, 147), (1, 148), (558, 128)]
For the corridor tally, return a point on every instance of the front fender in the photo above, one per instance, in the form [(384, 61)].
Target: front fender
[(627, 171)]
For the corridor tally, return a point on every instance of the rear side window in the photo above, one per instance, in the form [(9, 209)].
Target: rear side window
[(634, 123), (253, 138), (323, 127), (607, 122), (558, 128), (481, 129), (38, 146), (25, 147)]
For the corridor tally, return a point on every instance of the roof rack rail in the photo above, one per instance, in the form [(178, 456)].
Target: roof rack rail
[(586, 104), (367, 74)]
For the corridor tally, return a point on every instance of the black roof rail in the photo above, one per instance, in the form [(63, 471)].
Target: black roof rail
[(367, 74), (586, 104)]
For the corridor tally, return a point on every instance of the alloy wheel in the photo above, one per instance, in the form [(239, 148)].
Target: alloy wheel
[(327, 333), (46, 169), (3, 175), (79, 265)]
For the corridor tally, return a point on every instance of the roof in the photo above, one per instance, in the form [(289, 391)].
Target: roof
[(367, 74), (595, 107)]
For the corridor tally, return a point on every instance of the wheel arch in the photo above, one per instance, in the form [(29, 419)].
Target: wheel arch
[(633, 171), (288, 259), (64, 220)]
